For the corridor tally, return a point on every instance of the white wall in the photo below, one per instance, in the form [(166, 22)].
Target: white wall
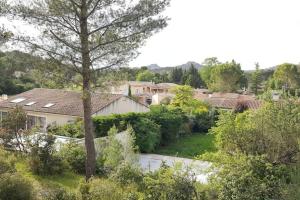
[(122, 106), (50, 118)]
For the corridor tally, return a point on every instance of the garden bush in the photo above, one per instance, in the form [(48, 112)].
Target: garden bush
[(74, 130), (7, 162), (59, 193), (44, 159), (105, 189), (170, 184), (127, 174), (170, 120), (148, 135), (75, 155), (14, 186)]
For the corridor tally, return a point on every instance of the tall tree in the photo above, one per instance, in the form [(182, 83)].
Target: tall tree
[(226, 77), (256, 79), (176, 75), (90, 35), (145, 76), (193, 78), (288, 76), (205, 71)]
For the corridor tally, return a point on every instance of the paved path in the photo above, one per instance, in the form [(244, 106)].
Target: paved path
[(152, 162)]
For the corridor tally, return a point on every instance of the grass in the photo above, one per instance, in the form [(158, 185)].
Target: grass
[(189, 146), (68, 180)]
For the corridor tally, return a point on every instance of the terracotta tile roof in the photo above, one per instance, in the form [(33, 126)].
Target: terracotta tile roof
[(228, 100), (65, 102)]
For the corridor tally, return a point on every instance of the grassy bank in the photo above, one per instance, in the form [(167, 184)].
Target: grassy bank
[(189, 146)]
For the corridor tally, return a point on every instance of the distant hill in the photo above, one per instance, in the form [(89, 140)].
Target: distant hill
[(158, 69)]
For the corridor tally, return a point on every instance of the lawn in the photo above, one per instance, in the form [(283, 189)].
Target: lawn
[(189, 146), (68, 180)]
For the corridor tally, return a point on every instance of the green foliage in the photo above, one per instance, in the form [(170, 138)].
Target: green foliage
[(7, 162), (126, 174), (253, 178), (13, 129), (145, 76), (183, 95), (272, 130), (74, 130), (148, 135), (112, 153), (175, 75), (170, 120), (59, 193), (223, 77), (169, 184), (287, 75), (193, 79), (256, 79), (75, 156), (14, 186), (189, 146), (106, 190), (44, 159)]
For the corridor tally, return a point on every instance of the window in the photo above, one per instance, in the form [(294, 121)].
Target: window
[(30, 103), (36, 122), (18, 100), (48, 105)]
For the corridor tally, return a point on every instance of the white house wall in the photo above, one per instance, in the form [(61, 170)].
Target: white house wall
[(50, 118), (122, 106)]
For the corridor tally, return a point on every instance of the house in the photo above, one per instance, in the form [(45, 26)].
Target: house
[(227, 100), (46, 107), (144, 91)]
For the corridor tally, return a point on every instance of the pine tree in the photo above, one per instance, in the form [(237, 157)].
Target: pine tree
[(256, 79)]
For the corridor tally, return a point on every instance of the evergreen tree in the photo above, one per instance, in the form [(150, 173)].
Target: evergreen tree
[(176, 75), (193, 78), (256, 79)]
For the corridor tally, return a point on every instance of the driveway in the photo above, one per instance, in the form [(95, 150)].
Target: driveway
[(152, 162)]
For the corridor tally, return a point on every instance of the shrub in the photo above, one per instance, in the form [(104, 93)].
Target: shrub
[(249, 177), (127, 174), (15, 187), (44, 159), (74, 130), (170, 121), (58, 193), (147, 134), (75, 155), (7, 162), (107, 190), (169, 184)]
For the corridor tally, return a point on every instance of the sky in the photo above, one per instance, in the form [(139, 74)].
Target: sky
[(248, 31)]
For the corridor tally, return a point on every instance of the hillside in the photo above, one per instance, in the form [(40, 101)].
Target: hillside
[(158, 69)]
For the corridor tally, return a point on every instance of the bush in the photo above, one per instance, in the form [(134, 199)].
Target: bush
[(169, 184), (58, 193), (127, 174), (15, 187), (103, 124), (249, 177), (170, 121), (7, 162), (75, 155), (107, 190), (44, 159), (147, 135), (74, 130)]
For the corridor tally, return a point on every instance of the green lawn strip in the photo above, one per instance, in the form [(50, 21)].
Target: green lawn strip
[(68, 180), (189, 146)]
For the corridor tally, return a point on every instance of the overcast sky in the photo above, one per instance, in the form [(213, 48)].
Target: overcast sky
[(249, 31)]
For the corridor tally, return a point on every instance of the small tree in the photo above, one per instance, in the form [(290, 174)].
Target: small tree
[(13, 131)]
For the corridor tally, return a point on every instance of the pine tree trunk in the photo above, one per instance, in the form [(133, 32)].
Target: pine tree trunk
[(86, 98)]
